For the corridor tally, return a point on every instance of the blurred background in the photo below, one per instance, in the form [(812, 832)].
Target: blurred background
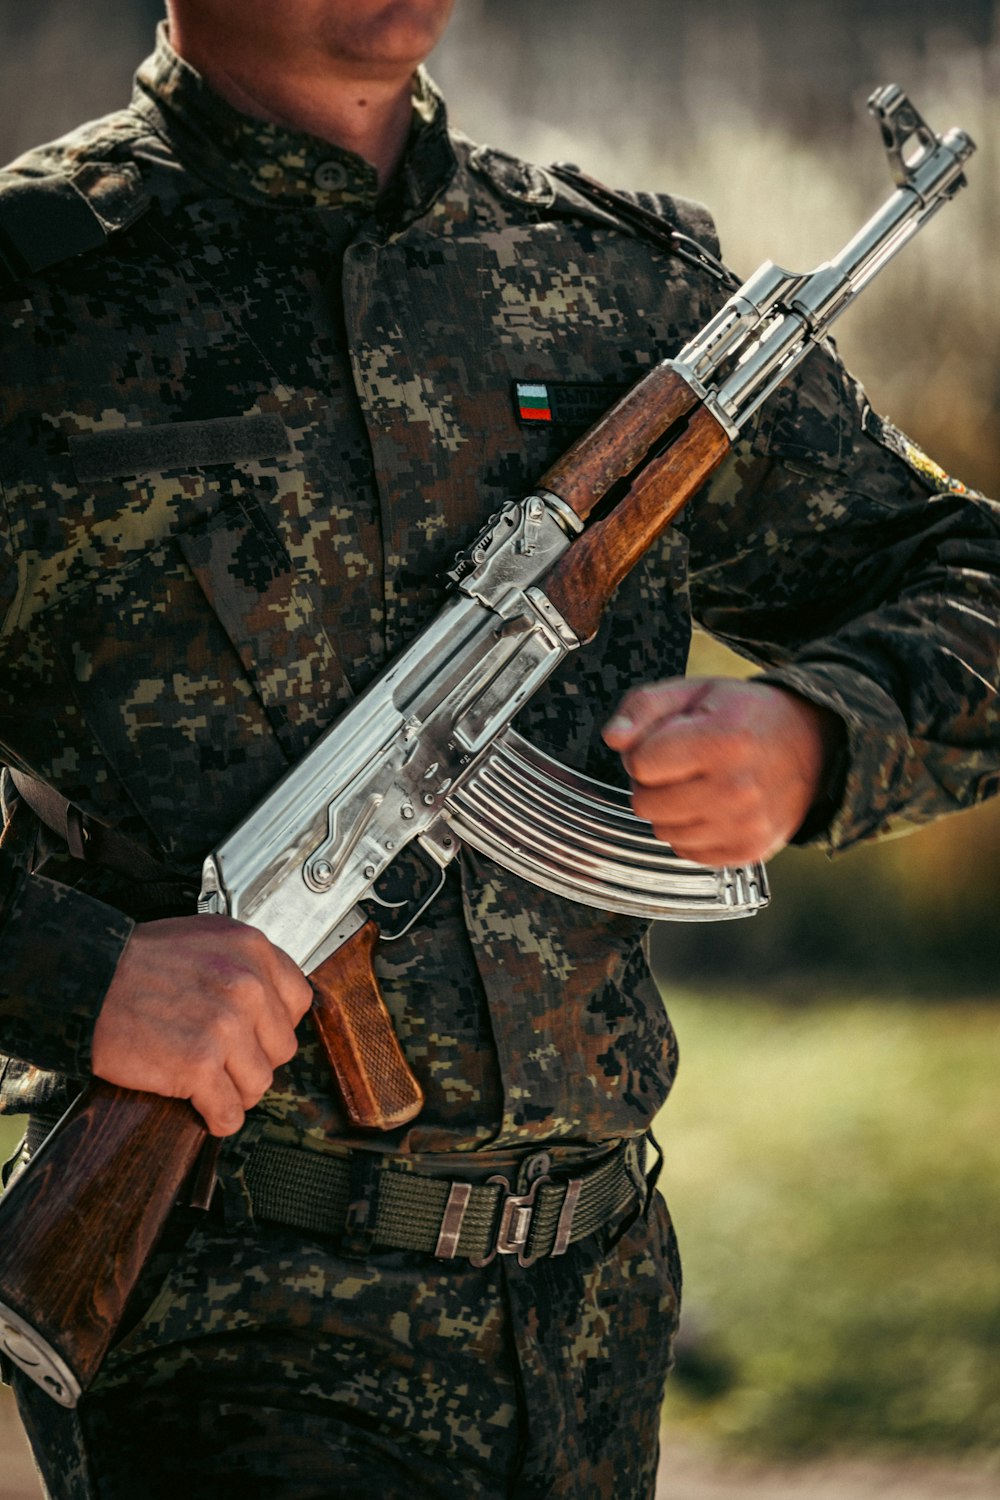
[(833, 1145)]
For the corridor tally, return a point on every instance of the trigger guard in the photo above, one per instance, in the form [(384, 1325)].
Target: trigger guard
[(412, 906)]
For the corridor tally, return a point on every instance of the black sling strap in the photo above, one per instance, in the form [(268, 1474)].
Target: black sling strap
[(87, 838)]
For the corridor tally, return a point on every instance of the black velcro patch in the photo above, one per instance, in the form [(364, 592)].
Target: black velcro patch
[(176, 445)]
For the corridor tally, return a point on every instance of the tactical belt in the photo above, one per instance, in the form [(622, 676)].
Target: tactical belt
[(441, 1217)]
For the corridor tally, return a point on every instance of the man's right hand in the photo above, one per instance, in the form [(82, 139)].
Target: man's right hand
[(200, 1008)]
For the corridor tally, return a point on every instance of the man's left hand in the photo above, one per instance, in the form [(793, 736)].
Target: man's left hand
[(725, 770)]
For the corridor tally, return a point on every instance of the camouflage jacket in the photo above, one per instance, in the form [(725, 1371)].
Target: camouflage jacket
[(250, 411)]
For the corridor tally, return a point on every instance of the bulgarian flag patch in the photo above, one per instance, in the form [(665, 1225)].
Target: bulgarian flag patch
[(571, 405), (533, 403)]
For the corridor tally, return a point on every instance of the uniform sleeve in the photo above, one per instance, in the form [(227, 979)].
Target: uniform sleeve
[(58, 952), (58, 947), (832, 553)]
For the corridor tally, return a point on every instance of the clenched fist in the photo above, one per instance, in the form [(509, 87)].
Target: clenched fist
[(725, 770), (200, 1008)]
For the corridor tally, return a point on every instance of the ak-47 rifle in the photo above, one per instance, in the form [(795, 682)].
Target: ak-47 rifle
[(426, 755)]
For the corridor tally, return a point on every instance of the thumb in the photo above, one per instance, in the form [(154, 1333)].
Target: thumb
[(644, 706)]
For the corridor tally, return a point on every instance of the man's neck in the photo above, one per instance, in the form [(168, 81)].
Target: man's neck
[(370, 117)]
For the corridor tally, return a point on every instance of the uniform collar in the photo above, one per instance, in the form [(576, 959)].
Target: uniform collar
[(264, 163)]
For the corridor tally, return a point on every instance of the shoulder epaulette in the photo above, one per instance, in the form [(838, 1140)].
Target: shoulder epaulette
[(656, 215), (47, 219), (680, 226), (516, 180)]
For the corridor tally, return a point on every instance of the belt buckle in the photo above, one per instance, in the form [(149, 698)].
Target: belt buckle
[(516, 1214)]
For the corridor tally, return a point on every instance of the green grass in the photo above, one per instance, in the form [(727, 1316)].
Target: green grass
[(11, 1131), (834, 1176)]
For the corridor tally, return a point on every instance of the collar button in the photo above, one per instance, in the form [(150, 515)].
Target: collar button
[(330, 176)]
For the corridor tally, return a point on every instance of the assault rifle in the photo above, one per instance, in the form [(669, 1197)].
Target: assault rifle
[(426, 759)]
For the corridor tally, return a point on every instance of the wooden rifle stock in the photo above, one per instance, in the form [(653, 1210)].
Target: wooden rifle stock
[(78, 1225)]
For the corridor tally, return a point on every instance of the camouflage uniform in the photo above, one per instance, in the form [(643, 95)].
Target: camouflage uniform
[(246, 427)]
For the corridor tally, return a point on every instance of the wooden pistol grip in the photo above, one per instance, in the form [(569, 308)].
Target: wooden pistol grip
[(375, 1082), (78, 1225)]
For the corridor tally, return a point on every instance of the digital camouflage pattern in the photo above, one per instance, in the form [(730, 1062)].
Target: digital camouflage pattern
[(244, 430)]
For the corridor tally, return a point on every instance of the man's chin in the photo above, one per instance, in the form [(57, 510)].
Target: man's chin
[(388, 33)]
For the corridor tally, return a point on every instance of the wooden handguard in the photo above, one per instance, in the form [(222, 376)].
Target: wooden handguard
[(661, 446), (77, 1228), (377, 1087), (619, 441)]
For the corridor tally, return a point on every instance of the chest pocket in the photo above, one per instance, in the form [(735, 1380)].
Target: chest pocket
[(200, 669)]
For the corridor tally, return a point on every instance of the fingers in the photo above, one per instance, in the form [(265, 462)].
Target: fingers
[(220, 1106), (291, 986), (678, 731), (231, 1067), (201, 1008), (685, 749), (708, 823), (654, 703), (726, 771)]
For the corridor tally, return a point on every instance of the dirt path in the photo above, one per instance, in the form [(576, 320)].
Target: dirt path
[(17, 1472), (685, 1474)]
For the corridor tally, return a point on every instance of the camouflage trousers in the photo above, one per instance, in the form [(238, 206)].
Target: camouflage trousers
[(263, 1364)]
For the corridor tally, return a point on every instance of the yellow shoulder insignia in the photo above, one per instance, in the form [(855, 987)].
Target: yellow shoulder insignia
[(921, 463)]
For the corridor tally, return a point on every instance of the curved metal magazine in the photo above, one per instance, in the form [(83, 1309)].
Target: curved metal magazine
[(579, 838)]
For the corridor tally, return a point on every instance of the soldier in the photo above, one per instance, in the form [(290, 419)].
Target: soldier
[(264, 337)]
